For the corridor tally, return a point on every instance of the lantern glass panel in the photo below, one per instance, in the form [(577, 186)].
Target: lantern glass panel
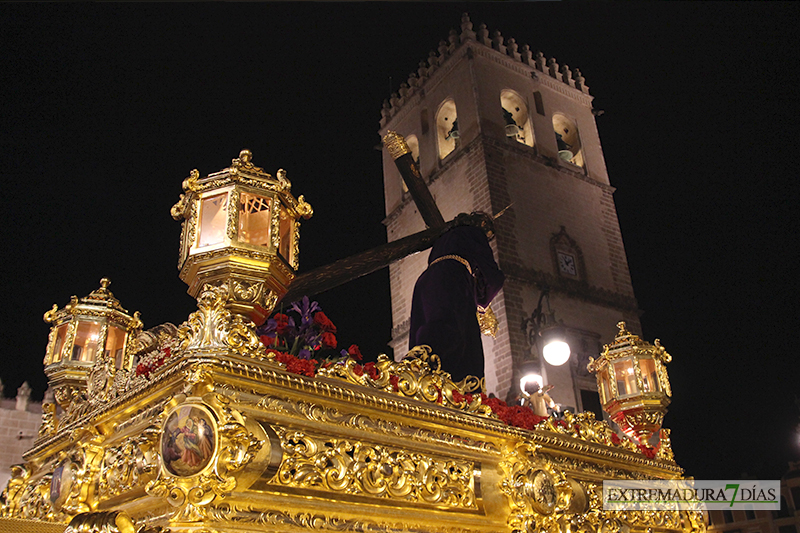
[(87, 341), (213, 220), (254, 219), (605, 387), (115, 346), (649, 375), (287, 235), (626, 378), (58, 346)]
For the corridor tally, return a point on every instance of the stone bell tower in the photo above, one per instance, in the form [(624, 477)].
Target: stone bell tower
[(494, 125)]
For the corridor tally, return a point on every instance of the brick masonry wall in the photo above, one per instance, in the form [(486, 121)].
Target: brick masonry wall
[(13, 425)]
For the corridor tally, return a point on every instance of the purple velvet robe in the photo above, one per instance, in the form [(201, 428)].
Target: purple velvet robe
[(446, 297)]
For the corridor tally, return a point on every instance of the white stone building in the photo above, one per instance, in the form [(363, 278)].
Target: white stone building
[(526, 137)]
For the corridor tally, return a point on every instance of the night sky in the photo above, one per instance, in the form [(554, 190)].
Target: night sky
[(107, 107)]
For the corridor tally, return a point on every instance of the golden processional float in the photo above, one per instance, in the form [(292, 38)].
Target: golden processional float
[(200, 428)]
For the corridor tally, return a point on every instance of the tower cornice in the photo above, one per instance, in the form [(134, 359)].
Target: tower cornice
[(430, 73)]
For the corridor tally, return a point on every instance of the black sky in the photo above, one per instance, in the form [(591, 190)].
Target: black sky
[(107, 107)]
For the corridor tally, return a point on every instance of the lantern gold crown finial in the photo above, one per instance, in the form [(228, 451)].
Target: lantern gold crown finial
[(241, 230)]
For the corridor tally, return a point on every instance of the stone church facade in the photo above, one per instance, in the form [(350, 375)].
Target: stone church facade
[(494, 125)]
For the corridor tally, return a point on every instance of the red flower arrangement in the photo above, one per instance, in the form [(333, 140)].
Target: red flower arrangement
[(514, 415)]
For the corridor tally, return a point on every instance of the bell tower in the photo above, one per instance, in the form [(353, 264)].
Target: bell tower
[(494, 125)]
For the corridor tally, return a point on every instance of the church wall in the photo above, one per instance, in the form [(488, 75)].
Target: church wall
[(488, 171), (18, 430)]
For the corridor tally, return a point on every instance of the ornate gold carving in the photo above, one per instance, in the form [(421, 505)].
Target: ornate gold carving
[(129, 464), (247, 292), (50, 315), (355, 467), (236, 448), (303, 208), (101, 522), (283, 181), (319, 522), (232, 228), (317, 413), (213, 326), (395, 144), (418, 376), (532, 487), (487, 321)]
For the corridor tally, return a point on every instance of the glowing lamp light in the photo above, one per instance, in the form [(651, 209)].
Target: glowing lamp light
[(529, 378), (241, 230), (556, 353), (87, 332), (633, 384)]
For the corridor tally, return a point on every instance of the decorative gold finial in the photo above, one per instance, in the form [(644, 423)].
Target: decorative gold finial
[(105, 282), (395, 144), (245, 156), (623, 331)]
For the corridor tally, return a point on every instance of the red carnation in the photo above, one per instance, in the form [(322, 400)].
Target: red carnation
[(304, 367), (324, 323), (615, 439), (354, 352), (282, 323), (358, 370), (328, 339), (458, 397), (268, 341), (395, 381), (372, 371)]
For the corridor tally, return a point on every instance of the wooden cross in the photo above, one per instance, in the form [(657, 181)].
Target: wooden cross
[(345, 270)]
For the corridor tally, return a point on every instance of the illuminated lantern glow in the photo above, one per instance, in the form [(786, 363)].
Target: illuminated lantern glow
[(87, 332), (633, 384), (240, 230)]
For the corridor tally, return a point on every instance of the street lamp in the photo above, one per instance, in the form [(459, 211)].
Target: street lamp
[(542, 328)]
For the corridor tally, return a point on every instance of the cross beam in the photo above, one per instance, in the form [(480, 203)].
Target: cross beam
[(339, 272)]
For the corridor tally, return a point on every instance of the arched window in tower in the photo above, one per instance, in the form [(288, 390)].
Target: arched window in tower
[(568, 139), (447, 128), (517, 122)]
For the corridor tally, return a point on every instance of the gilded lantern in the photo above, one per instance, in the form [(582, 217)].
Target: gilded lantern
[(88, 332), (241, 230), (633, 384)]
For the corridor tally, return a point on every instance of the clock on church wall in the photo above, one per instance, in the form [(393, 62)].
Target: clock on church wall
[(567, 256), (566, 264)]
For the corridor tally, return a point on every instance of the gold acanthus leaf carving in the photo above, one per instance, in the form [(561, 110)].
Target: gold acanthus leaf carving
[(214, 326), (280, 519), (329, 415), (418, 376), (129, 464), (355, 467)]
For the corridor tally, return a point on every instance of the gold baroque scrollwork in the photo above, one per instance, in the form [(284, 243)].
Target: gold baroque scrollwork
[(533, 487), (236, 448), (303, 208), (213, 326), (233, 214), (129, 464), (418, 376), (318, 413), (318, 521), (354, 467), (101, 522)]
